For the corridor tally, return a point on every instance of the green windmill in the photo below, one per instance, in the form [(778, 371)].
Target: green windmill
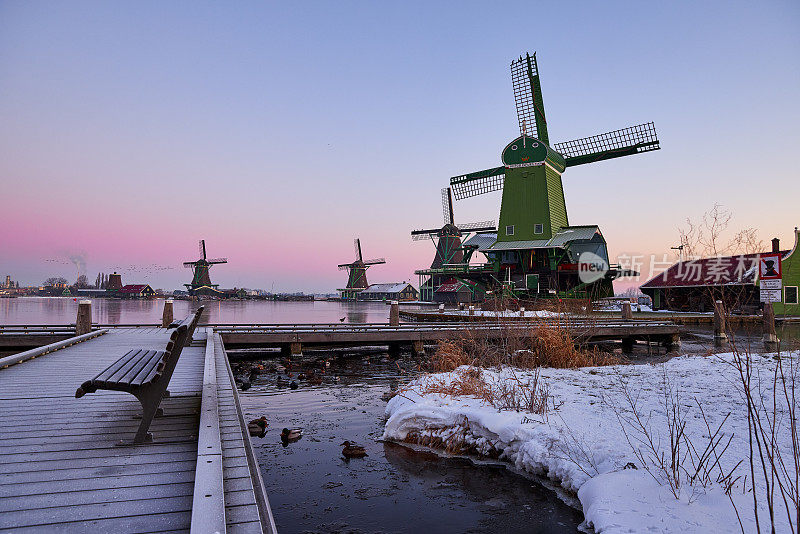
[(201, 281), (534, 236)]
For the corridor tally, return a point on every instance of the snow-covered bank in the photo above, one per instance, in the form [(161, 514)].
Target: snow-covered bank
[(580, 443)]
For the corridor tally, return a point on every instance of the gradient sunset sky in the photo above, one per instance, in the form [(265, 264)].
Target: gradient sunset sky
[(279, 131)]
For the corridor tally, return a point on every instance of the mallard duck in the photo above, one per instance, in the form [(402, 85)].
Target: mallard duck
[(258, 427), (351, 450), (291, 435)]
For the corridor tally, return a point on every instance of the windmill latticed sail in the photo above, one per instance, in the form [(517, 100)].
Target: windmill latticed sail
[(200, 270), (357, 272)]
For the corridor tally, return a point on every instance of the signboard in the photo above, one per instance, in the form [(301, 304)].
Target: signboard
[(769, 266), (770, 295), (771, 284)]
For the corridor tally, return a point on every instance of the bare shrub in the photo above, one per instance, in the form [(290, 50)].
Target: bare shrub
[(666, 451), (771, 404)]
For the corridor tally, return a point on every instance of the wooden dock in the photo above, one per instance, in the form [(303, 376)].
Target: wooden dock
[(62, 469), (293, 337)]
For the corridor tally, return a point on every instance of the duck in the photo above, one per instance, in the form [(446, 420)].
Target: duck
[(258, 427), (351, 450), (342, 319), (294, 385), (291, 435)]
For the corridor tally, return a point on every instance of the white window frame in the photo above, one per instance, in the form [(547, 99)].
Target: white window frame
[(510, 227), (538, 226), (796, 295)]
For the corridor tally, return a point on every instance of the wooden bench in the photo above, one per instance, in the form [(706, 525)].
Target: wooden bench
[(191, 323), (143, 373)]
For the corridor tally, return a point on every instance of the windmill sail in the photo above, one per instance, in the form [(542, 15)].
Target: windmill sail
[(624, 142), (528, 98), (447, 205), (478, 183)]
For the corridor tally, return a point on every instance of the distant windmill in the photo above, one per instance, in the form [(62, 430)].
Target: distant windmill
[(200, 276), (448, 246), (357, 273)]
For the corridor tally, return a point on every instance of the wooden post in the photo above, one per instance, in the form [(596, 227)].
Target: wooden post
[(672, 342), (461, 306), (441, 308), (720, 336), (770, 337), (627, 345), (83, 322), (296, 348), (522, 311), (417, 347), (471, 310), (627, 314), (167, 316), (394, 313)]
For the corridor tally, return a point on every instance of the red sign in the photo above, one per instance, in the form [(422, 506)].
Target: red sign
[(769, 267)]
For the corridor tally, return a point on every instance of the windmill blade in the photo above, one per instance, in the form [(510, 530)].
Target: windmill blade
[(478, 183), (189, 264), (447, 205), (345, 266), (419, 235), (375, 261), (357, 247), (483, 226), (624, 142), (528, 98), (203, 248), (424, 235), (218, 260)]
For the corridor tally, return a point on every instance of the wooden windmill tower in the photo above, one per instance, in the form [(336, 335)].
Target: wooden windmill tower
[(448, 241), (357, 273), (200, 268)]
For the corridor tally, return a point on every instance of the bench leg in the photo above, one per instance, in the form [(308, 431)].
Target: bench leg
[(149, 398)]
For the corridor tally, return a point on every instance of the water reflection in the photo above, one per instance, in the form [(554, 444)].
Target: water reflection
[(62, 310)]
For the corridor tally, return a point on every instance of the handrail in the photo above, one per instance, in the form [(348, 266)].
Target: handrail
[(40, 351)]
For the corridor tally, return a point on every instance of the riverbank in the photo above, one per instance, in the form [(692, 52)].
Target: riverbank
[(598, 420)]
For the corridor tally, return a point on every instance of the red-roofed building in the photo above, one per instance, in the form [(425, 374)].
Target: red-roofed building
[(136, 291), (694, 285)]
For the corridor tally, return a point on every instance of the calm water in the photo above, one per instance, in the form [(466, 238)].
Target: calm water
[(312, 488), (62, 310)]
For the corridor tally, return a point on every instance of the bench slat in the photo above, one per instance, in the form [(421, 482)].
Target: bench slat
[(114, 367), (150, 371), (136, 359)]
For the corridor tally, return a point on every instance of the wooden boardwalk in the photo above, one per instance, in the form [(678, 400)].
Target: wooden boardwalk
[(62, 470)]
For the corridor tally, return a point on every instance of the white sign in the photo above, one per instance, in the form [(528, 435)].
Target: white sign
[(771, 284), (770, 295), (591, 267)]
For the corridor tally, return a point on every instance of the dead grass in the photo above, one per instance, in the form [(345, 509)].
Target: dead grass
[(544, 343)]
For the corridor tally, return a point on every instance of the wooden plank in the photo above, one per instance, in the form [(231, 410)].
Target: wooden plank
[(208, 506)]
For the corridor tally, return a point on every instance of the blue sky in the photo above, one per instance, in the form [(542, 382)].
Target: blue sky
[(280, 131)]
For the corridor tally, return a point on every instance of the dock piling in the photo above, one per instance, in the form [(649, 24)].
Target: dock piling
[(720, 337), (394, 314), (522, 311), (627, 314), (471, 310), (167, 317), (770, 337), (83, 322)]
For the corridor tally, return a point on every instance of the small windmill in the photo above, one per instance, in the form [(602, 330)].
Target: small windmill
[(200, 276), (532, 206), (449, 249), (357, 273)]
